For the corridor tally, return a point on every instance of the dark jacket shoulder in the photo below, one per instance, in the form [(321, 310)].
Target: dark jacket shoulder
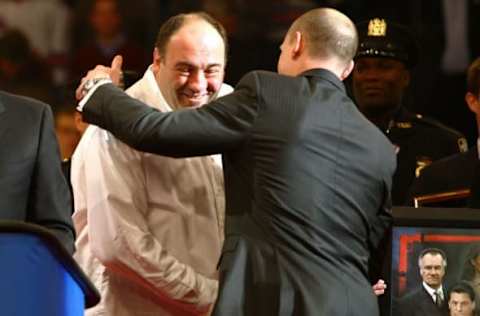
[(21, 104)]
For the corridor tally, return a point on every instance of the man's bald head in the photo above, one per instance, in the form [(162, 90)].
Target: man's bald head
[(328, 33)]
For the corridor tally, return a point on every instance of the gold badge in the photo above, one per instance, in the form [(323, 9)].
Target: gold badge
[(422, 162), (377, 27)]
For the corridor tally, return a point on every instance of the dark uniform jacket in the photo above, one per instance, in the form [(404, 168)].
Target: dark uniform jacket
[(452, 173), (307, 181), (32, 186), (419, 141)]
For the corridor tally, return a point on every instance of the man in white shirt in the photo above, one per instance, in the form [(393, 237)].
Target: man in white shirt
[(150, 228)]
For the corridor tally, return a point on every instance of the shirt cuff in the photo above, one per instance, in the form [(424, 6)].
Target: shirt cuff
[(90, 92)]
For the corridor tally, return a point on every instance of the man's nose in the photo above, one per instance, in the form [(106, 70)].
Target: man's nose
[(197, 81)]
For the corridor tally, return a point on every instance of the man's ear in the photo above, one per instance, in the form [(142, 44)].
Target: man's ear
[(348, 69), (473, 103), (299, 44), (157, 59)]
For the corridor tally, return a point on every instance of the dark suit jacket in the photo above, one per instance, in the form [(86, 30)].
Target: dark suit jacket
[(32, 186), (420, 303), (307, 182), (449, 174)]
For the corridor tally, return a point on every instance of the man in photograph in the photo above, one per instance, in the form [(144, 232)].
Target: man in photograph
[(428, 299)]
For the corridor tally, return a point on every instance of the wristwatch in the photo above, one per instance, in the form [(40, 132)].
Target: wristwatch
[(89, 84)]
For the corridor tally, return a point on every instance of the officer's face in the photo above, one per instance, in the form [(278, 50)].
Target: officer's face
[(379, 83), (460, 304), (432, 270)]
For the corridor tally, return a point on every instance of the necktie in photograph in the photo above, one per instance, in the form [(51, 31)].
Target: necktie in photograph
[(438, 298)]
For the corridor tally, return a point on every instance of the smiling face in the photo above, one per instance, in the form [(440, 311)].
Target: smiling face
[(432, 270), (192, 70), (379, 83)]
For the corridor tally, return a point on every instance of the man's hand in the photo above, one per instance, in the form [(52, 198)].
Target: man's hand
[(379, 287), (114, 73)]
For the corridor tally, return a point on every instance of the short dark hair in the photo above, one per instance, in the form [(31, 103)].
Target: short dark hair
[(462, 287), (174, 23), (328, 33), (473, 77), (433, 251)]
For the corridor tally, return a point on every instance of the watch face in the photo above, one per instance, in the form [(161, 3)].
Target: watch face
[(88, 85)]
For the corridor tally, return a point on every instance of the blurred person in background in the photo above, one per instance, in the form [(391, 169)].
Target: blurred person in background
[(108, 39), (21, 72), (46, 25)]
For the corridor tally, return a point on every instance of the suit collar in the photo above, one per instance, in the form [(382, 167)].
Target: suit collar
[(325, 75)]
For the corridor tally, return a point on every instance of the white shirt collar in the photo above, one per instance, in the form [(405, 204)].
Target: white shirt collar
[(432, 291)]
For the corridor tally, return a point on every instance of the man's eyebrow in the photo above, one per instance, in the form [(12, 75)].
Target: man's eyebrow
[(183, 64), (188, 64)]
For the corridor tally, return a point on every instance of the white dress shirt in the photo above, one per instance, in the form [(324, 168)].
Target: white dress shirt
[(431, 291), (150, 228)]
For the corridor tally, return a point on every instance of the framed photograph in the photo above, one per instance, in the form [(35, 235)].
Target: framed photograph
[(453, 231)]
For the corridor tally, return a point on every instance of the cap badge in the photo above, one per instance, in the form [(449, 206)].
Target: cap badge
[(377, 27)]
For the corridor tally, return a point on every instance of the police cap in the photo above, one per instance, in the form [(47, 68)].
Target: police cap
[(379, 38)]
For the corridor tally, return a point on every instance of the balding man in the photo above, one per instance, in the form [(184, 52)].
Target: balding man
[(150, 227), (307, 177)]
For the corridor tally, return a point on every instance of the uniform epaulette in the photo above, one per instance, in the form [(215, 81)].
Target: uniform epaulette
[(461, 140), (434, 123)]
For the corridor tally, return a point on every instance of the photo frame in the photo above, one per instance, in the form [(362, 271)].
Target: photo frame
[(453, 230)]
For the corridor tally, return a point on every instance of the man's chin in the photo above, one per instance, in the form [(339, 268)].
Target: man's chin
[(194, 103)]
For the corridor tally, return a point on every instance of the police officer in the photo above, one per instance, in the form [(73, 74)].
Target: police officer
[(385, 56)]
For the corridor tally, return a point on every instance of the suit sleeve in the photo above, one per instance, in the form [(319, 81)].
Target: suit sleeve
[(217, 127), (383, 219), (379, 238), (50, 201), (120, 237)]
